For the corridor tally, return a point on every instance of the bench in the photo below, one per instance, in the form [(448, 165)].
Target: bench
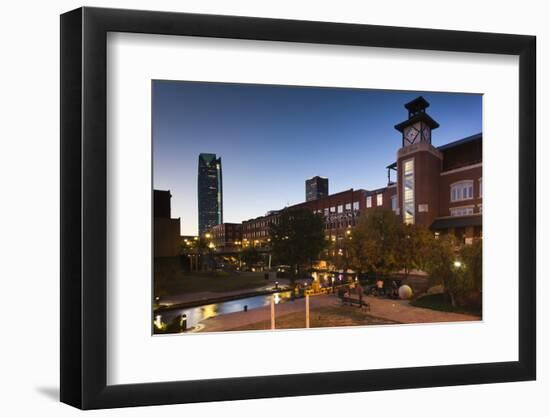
[(355, 301)]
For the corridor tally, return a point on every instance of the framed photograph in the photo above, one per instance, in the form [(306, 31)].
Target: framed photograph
[(256, 208)]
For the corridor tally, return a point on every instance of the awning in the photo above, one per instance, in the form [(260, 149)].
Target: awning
[(451, 222)]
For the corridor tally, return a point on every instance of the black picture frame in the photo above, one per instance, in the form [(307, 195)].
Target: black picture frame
[(84, 207)]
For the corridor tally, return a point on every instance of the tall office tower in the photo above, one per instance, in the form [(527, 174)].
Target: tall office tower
[(316, 187), (210, 193)]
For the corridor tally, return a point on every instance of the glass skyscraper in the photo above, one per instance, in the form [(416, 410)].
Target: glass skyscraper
[(210, 193)]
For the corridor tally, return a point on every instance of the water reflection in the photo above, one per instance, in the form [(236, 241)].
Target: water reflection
[(197, 314)]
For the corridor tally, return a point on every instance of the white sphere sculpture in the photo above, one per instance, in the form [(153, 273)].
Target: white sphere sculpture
[(405, 292)]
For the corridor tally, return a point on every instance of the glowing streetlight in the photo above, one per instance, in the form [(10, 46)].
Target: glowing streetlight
[(457, 264), (158, 321)]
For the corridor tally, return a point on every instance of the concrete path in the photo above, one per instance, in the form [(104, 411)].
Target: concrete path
[(403, 312), (241, 318), (395, 310)]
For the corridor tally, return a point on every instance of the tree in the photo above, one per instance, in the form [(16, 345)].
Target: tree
[(457, 268), (414, 245), (250, 256), (375, 242), (440, 260), (471, 257), (297, 237)]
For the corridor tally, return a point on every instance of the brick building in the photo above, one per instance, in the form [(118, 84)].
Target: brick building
[(226, 236), (255, 232), (440, 188), (437, 187), (166, 231)]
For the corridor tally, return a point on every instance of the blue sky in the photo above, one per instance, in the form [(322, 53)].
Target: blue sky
[(272, 138)]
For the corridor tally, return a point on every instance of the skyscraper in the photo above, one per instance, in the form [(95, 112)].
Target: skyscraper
[(210, 193), (316, 187)]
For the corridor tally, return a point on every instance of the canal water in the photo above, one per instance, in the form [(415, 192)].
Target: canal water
[(197, 314)]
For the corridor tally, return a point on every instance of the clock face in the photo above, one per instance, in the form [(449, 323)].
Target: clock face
[(410, 134)]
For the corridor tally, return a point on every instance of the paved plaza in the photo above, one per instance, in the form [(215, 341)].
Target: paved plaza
[(381, 310)]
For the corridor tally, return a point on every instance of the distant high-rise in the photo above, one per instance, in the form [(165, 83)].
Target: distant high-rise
[(210, 193), (316, 187)]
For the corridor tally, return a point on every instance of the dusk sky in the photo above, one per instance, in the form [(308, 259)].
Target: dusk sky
[(272, 138)]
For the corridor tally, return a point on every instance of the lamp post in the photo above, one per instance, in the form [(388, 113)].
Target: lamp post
[(272, 313), (307, 311)]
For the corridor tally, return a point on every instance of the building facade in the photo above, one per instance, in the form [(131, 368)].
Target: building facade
[(316, 187), (210, 191), (436, 187), (255, 232), (226, 236), (166, 231)]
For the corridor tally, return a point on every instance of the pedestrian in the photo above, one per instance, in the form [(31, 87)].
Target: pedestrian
[(360, 294), (380, 286), (341, 294)]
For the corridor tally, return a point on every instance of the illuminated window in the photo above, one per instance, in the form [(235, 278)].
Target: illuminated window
[(379, 199), (369, 201), (408, 191), (462, 211), (463, 190)]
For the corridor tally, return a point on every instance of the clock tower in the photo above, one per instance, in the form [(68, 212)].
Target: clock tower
[(418, 166), (418, 127)]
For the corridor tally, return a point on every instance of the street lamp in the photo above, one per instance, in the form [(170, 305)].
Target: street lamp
[(457, 264)]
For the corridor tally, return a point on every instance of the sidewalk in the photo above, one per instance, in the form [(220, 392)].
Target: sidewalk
[(392, 310), (403, 312)]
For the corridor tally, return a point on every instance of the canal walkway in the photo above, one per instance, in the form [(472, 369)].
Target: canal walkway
[(391, 310)]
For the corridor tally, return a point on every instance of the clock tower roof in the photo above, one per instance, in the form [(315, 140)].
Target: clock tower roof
[(417, 113)]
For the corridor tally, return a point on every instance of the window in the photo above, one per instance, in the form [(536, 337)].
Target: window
[(408, 191), (379, 199), (326, 212), (463, 190), (356, 205), (348, 206), (340, 209), (333, 209), (394, 204), (369, 201), (462, 211)]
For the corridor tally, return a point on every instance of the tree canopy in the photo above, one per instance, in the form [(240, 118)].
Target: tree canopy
[(375, 242), (298, 237)]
